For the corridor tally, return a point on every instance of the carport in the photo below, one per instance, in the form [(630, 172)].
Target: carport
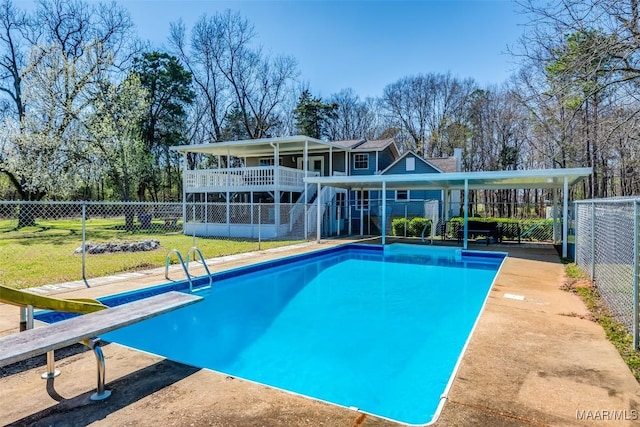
[(554, 179)]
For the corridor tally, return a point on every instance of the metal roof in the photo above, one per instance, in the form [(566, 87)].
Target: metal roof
[(489, 180), (258, 147)]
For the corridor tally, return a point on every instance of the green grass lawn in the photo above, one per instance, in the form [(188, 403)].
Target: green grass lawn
[(44, 254)]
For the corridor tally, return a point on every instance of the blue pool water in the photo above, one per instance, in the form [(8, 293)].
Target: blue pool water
[(379, 330)]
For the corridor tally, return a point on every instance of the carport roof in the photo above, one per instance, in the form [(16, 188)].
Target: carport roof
[(488, 180)]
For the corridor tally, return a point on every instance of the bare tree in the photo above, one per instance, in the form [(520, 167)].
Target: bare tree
[(232, 75), (353, 118), (13, 29), (426, 107), (589, 55)]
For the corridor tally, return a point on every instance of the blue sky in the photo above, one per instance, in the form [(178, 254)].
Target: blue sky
[(363, 44)]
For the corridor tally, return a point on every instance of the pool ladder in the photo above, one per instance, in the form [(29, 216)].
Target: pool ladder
[(185, 266)]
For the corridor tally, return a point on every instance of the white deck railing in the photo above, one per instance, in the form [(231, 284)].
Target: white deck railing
[(261, 178)]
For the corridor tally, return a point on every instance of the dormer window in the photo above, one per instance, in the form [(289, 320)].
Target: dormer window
[(361, 161)]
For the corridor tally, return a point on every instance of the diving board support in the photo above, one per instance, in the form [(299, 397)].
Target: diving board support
[(101, 393), (85, 329), (51, 372)]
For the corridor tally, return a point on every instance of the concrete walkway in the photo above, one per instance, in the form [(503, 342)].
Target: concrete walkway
[(532, 361)]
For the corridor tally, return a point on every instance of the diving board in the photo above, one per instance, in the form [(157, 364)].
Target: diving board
[(33, 342)]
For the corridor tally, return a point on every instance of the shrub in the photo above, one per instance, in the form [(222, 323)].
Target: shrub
[(399, 225), (416, 225)]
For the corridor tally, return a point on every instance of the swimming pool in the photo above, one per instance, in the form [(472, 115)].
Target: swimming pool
[(358, 326)]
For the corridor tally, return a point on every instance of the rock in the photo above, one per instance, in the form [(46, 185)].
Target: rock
[(111, 247)]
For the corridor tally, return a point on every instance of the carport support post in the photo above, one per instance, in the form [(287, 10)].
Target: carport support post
[(636, 316), (307, 199), (318, 216), (361, 212), (384, 211), (565, 216), (465, 211)]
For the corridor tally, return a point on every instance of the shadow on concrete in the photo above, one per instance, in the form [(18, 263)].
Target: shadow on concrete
[(81, 410), (41, 360)]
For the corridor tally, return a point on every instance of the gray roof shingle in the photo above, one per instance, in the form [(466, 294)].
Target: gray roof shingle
[(445, 164)]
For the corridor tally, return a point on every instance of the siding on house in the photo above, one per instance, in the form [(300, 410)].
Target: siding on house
[(420, 166), (386, 158)]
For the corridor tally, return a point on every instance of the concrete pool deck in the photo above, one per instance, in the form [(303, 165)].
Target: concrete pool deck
[(536, 361)]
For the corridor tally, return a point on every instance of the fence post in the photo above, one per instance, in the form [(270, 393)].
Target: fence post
[(593, 241), (84, 241), (636, 332), (259, 225), (193, 226)]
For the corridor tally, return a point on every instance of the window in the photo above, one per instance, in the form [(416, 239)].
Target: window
[(402, 194), (361, 161), (268, 161), (364, 202), (411, 164)]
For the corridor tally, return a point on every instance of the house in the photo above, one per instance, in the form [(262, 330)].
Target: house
[(408, 203), (262, 193)]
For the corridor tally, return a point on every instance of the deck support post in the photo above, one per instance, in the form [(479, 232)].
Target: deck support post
[(318, 216), (228, 194), (276, 181)]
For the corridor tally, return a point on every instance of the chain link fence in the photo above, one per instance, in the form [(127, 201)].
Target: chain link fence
[(55, 242), (519, 223), (606, 240)]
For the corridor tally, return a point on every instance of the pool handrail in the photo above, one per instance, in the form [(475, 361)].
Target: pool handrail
[(184, 267), (196, 251)]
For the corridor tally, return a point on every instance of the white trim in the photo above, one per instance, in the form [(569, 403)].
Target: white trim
[(355, 160), (300, 161), (270, 161), (359, 202), (215, 148), (404, 156), (408, 199), (410, 164), (521, 179)]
